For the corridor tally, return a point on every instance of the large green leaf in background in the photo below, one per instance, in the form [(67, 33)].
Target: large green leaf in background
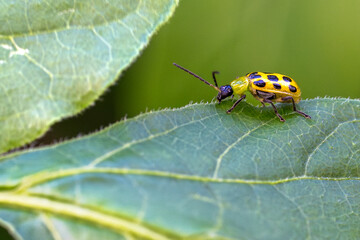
[(57, 57), (195, 172)]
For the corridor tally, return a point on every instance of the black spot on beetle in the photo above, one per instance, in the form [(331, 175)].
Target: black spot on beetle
[(286, 79), (254, 75), (272, 78), (292, 88), (260, 83), (277, 86)]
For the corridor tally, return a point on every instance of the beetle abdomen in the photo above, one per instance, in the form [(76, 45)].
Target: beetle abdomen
[(276, 83)]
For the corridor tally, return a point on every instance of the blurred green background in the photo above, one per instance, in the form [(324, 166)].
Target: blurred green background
[(316, 42)]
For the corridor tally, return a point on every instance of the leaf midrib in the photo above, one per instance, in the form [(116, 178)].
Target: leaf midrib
[(78, 212), (20, 198), (40, 178)]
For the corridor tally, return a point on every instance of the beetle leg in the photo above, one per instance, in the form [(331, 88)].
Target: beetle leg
[(275, 110), (263, 104), (236, 103), (294, 106)]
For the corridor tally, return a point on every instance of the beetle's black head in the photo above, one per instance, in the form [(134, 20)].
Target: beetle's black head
[(225, 91)]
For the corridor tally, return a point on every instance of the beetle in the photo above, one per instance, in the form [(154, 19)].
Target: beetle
[(265, 87)]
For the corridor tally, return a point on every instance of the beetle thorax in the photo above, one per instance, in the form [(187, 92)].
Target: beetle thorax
[(240, 85)]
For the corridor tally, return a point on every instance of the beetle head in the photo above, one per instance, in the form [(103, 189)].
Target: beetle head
[(225, 91)]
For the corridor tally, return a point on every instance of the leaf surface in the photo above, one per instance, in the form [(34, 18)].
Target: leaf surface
[(58, 56), (195, 173)]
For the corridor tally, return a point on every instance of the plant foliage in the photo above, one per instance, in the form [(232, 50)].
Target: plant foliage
[(196, 173)]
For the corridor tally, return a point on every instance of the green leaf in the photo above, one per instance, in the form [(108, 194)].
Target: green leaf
[(196, 173), (58, 56)]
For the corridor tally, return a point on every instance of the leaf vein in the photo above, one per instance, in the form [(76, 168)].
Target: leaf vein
[(130, 144), (323, 141)]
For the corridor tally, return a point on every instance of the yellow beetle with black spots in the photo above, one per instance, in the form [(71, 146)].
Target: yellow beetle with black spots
[(266, 87)]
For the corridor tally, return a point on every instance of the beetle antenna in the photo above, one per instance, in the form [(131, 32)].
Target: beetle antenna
[(191, 73), (213, 74)]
